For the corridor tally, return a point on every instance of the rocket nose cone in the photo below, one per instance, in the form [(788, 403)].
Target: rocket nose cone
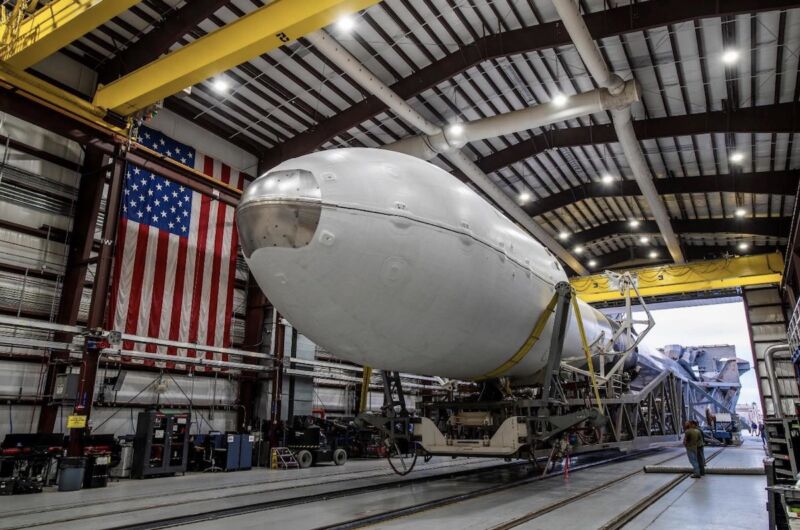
[(279, 209)]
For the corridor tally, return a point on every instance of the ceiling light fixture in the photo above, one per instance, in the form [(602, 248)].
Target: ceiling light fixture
[(592, 263), (737, 157), (220, 85), (653, 254), (744, 245), (730, 56), (644, 240), (524, 197), (607, 179), (456, 129), (559, 99), (346, 24), (578, 249), (563, 236), (634, 223), (740, 212)]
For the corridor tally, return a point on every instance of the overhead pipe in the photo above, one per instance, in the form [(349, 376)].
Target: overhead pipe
[(623, 125), (353, 68), (445, 140), (784, 352)]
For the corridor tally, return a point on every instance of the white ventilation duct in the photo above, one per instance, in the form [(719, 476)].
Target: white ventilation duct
[(623, 124), (446, 140)]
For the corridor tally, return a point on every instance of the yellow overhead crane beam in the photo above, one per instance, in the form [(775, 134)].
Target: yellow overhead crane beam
[(54, 26), (691, 277), (257, 32)]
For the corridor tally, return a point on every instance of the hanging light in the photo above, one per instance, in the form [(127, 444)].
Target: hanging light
[(456, 129), (220, 85), (730, 56), (559, 99), (345, 24)]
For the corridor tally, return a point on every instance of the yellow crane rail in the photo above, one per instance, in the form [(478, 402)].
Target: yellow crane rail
[(690, 277), (54, 26), (257, 32)]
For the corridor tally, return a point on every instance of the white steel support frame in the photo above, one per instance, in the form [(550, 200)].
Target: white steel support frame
[(570, 15), (354, 69), (626, 284), (117, 351)]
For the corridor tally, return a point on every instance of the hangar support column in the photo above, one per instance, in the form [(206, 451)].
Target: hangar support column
[(87, 208), (256, 310), (97, 307)]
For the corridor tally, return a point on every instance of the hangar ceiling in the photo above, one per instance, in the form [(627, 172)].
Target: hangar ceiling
[(717, 121)]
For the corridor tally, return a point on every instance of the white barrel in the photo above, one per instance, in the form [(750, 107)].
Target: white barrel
[(388, 261)]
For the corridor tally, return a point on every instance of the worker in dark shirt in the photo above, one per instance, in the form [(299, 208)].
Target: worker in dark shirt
[(692, 438), (701, 455)]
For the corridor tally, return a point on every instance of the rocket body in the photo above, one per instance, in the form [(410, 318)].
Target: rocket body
[(388, 261)]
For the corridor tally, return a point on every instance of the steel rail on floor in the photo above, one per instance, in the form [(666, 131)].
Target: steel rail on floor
[(212, 515), (633, 511), (438, 503), (620, 520), (305, 499)]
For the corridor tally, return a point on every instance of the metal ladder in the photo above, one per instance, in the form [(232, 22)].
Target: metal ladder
[(283, 458)]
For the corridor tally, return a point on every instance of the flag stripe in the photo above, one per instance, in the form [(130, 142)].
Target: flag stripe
[(157, 293), (216, 274), (177, 294), (111, 317), (200, 263), (137, 278)]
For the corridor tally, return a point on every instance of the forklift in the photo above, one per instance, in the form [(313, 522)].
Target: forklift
[(314, 440)]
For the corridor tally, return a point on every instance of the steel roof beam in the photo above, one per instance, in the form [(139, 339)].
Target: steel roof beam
[(602, 24), (758, 226), (769, 182), (780, 118), (55, 25), (158, 40), (255, 33), (760, 265)]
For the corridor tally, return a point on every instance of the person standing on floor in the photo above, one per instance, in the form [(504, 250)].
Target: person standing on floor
[(692, 438), (701, 455)]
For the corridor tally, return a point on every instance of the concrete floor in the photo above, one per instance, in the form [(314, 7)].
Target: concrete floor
[(710, 502)]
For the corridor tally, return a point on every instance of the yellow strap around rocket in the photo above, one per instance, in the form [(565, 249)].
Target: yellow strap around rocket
[(527, 345)]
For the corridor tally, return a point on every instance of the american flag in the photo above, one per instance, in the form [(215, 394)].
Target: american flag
[(175, 259)]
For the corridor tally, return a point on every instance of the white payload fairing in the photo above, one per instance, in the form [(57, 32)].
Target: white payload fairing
[(388, 261)]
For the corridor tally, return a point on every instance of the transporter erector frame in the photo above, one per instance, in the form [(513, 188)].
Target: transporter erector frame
[(633, 401)]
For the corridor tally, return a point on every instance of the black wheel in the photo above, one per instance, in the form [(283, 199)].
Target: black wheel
[(402, 462), (339, 457), (304, 458)]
